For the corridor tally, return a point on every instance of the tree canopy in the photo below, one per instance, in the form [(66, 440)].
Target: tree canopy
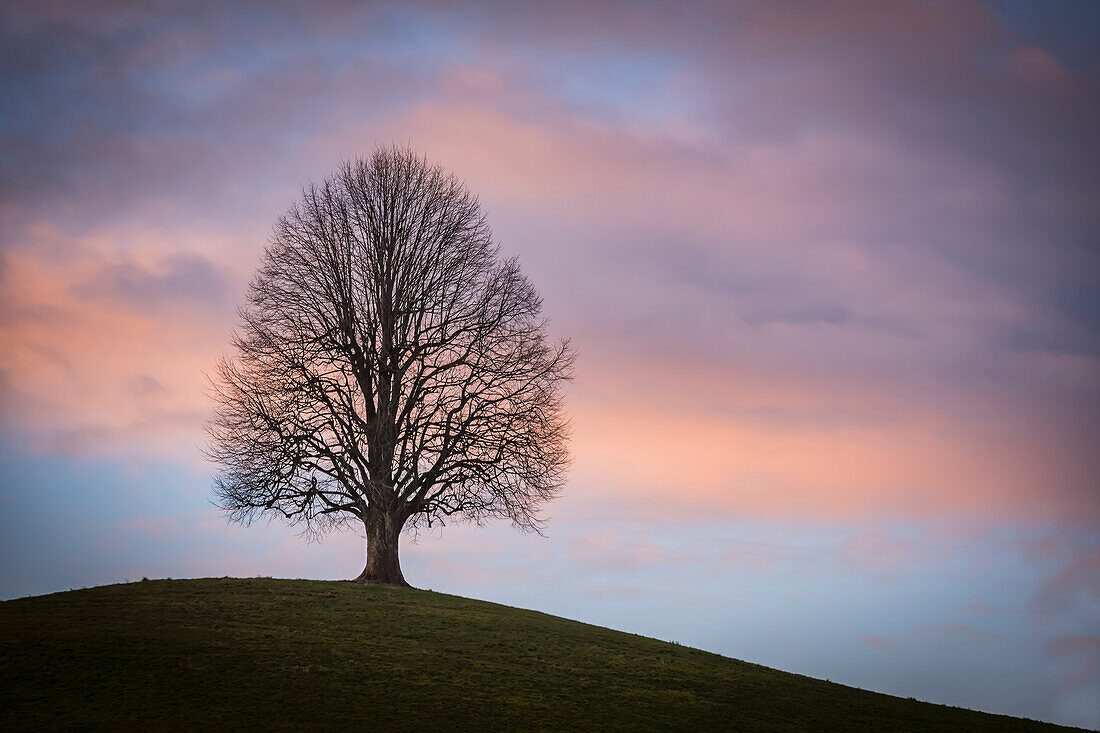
[(391, 369)]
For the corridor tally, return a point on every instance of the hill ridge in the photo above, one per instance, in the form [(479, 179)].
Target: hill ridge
[(279, 654)]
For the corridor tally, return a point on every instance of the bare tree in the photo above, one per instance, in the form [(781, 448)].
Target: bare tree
[(391, 369)]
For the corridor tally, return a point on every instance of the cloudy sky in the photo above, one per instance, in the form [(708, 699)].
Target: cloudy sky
[(831, 271)]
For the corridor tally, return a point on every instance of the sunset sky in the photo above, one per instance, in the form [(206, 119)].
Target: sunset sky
[(831, 270)]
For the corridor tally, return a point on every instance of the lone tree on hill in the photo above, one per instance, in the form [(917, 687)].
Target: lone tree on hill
[(391, 369)]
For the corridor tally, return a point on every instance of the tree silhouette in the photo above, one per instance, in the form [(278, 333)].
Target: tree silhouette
[(391, 368)]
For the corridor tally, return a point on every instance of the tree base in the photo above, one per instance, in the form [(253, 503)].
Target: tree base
[(365, 579)]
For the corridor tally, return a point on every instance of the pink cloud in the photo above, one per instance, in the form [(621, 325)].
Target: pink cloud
[(1080, 655), (879, 642), (768, 325), (1074, 587), (107, 353), (610, 552)]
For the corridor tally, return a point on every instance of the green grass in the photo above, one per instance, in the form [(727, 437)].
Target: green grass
[(291, 654)]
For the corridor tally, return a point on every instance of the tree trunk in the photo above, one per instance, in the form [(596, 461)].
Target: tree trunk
[(383, 535)]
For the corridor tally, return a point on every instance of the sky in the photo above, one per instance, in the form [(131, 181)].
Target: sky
[(831, 271)]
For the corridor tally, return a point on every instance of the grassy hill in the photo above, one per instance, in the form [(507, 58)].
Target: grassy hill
[(287, 654)]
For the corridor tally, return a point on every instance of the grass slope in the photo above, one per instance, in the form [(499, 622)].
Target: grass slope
[(271, 654)]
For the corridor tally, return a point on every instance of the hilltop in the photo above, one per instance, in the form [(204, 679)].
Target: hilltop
[(285, 654)]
